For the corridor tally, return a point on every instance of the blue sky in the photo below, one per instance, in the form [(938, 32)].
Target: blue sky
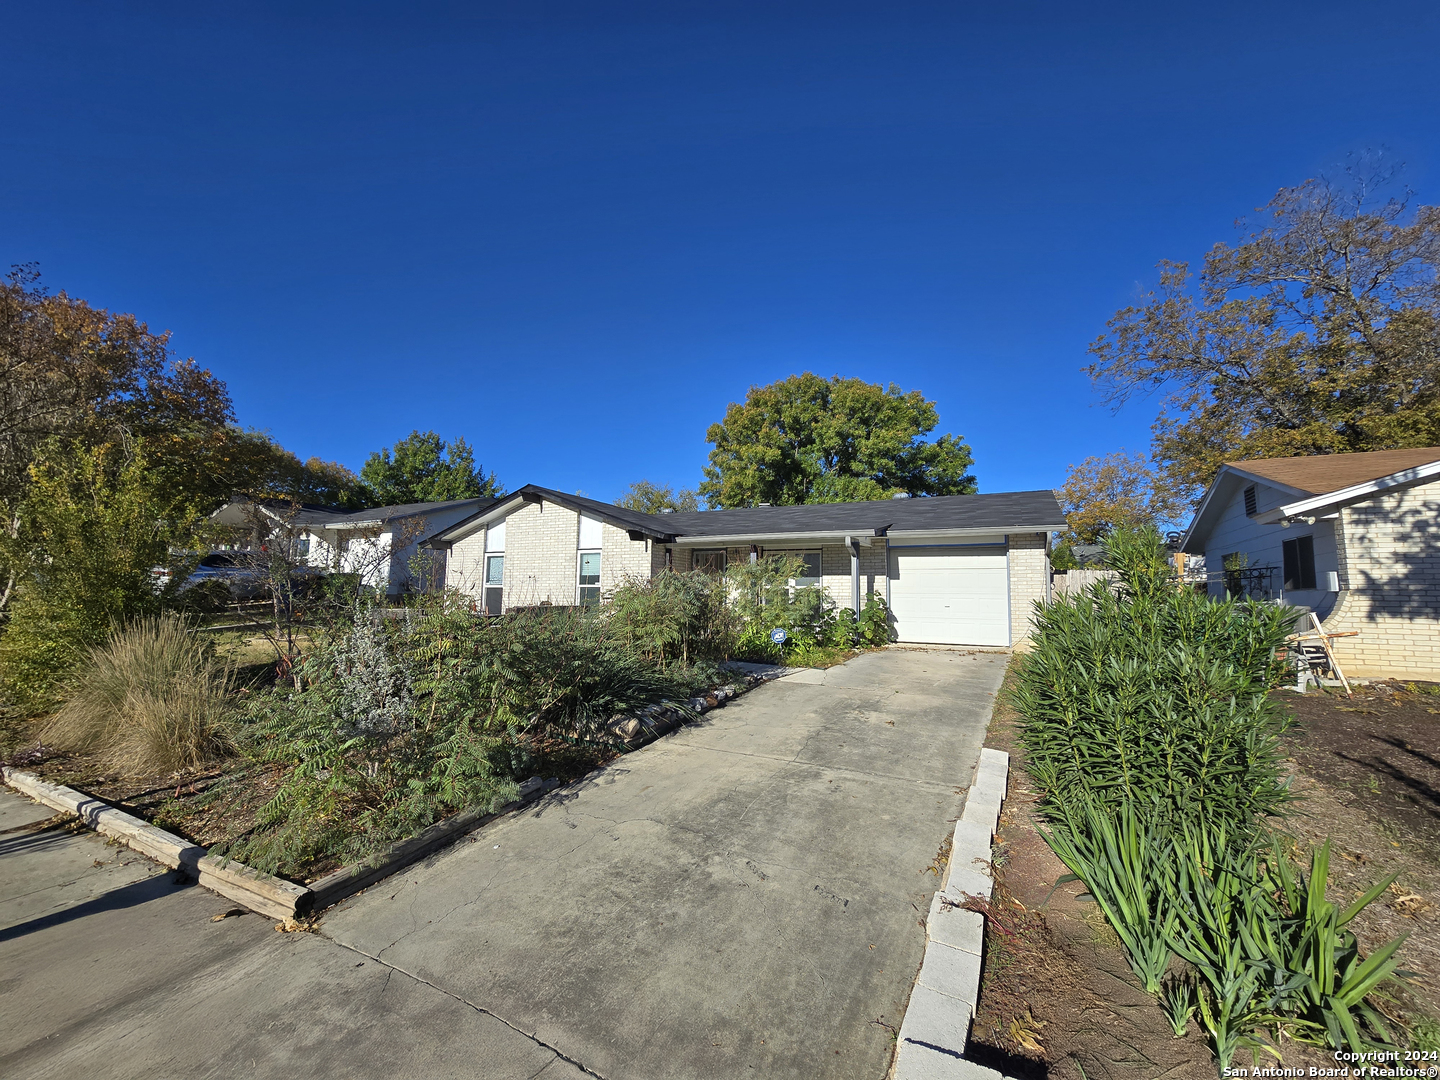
[(572, 233)]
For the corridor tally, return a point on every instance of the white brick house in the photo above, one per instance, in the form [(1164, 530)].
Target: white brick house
[(381, 544), (961, 569), (1353, 537)]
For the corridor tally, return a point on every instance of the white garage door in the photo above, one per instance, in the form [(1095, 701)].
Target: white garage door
[(950, 595)]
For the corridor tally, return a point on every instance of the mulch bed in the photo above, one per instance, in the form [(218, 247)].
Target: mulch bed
[(1057, 996)]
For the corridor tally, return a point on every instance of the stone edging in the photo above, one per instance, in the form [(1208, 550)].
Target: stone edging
[(259, 892), (931, 1042)]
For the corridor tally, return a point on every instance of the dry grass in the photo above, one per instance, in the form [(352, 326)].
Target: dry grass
[(152, 699)]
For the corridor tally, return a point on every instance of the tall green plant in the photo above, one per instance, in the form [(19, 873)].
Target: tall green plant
[(673, 616), (1122, 861), (1155, 696)]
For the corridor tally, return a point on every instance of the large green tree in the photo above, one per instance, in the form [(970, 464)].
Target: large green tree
[(808, 439), (425, 468), (102, 381), (94, 522), (1318, 333), (651, 498)]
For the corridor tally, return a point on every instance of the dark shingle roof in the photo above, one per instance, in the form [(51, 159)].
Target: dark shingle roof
[(391, 513), (1011, 511), (1002, 511)]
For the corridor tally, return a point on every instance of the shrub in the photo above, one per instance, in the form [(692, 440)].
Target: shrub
[(93, 524), (149, 700), (402, 721), (874, 622), (1147, 723), (1156, 696), (673, 616)]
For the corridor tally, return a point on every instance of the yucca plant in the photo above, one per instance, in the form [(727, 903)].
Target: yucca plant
[(1122, 861), (1327, 980), (1225, 915)]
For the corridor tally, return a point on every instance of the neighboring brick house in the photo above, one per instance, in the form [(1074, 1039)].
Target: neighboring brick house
[(1353, 537), (960, 569)]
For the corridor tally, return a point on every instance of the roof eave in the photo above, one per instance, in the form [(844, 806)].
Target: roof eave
[(975, 530), (806, 536), (1355, 492)]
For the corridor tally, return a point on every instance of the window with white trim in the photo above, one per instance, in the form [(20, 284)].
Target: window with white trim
[(589, 578), (494, 584), (710, 562), (589, 540), (493, 589), (810, 574)]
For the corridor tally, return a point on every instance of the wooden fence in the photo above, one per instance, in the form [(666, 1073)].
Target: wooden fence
[(1078, 580)]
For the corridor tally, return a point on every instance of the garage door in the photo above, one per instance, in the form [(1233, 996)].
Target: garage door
[(950, 595)]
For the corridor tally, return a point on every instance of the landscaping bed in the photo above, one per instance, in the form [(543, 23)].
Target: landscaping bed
[(183, 802), (1188, 878), (1058, 998)]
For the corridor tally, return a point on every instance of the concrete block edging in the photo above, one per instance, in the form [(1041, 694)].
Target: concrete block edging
[(932, 1037)]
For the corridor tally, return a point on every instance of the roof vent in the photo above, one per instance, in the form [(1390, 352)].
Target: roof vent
[(667, 510), (900, 495), (762, 504)]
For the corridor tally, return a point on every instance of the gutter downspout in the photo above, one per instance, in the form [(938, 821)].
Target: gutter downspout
[(854, 545)]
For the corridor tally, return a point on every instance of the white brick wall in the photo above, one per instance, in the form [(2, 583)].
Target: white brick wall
[(1389, 566), (542, 559), (1029, 581), (621, 557), (465, 565), (541, 541)]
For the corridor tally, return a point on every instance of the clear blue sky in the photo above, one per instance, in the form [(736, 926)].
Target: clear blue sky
[(571, 233)]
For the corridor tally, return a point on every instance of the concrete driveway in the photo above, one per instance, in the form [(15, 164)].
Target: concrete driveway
[(745, 897)]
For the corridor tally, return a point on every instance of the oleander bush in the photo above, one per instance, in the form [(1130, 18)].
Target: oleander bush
[(1147, 724)]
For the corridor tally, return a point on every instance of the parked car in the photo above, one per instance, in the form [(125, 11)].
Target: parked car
[(242, 579)]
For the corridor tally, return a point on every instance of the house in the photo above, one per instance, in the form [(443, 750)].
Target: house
[(960, 569), (381, 544), (1354, 538)]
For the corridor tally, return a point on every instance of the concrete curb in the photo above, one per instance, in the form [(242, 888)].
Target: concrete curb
[(272, 896), (259, 892), (931, 1042)]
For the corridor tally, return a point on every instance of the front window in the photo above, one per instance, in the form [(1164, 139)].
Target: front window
[(810, 575), (710, 562), (302, 548), (589, 578), (494, 583), (1300, 563)]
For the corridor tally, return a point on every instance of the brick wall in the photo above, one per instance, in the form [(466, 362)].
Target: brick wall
[(1389, 568), (465, 565), (1029, 581), (621, 557), (541, 541)]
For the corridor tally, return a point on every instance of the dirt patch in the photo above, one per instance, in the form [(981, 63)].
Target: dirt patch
[(1378, 751), (1367, 770), (1057, 997)]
